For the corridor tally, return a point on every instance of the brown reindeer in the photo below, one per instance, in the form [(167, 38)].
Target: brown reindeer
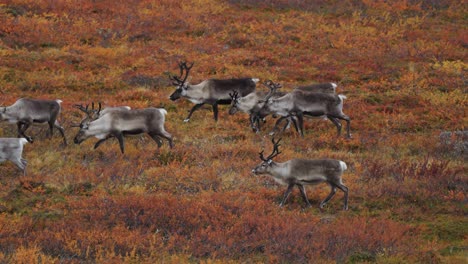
[(212, 91)]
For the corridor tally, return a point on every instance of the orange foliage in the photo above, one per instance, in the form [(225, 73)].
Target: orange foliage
[(401, 64)]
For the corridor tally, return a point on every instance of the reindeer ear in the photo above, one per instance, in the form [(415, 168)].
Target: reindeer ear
[(269, 161)]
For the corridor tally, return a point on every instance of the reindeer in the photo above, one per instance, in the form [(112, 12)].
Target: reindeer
[(211, 91), (300, 172), (120, 123), (93, 114), (24, 112), (253, 103), (12, 149), (329, 88), (299, 103)]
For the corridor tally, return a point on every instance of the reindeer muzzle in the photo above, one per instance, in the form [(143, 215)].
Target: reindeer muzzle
[(174, 96)]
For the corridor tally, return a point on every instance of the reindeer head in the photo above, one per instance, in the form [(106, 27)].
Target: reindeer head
[(267, 162), (269, 98), (234, 102), (91, 114), (180, 82)]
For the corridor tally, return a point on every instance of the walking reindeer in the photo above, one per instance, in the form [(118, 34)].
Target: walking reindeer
[(24, 112), (300, 172), (327, 88), (211, 91), (12, 149), (253, 104), (122, 122), (315, 104)]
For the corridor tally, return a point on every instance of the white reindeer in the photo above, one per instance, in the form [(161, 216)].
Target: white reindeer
[(12, 149), (121, 123), (24, 112)]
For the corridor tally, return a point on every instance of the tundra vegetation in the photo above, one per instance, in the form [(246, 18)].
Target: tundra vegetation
[(401, 64)]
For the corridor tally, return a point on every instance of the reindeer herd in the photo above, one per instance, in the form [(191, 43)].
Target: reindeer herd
[(316, 101)]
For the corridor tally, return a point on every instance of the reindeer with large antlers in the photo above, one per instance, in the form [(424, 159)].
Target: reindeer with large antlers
[(212, 91), (122, 122), (93, 114), (300, 172)]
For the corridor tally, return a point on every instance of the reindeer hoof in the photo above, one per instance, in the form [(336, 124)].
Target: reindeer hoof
[(186, 120)]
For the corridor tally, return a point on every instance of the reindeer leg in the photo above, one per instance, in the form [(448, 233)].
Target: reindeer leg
[(62, 131), (332, 193), (215, 111), (99, 142), (276, 127), (120, 137), (23, 129), (294, 121), (286, 194), (252, 120), (194, 108), (286, 125), (156, 139), (51, 129), (337, 123), (166, 135), (19, 163), (345, 190), (300, 117), (20, 127), (348, 122), (304, 195), (257, 120)]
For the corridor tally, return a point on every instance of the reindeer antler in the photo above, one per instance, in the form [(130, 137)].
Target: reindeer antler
[(82, 108), (273, 88), (184, 69), (87, 110), (275, 151), (99, 110)]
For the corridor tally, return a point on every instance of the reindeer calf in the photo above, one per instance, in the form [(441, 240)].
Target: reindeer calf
[(11, 149)]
